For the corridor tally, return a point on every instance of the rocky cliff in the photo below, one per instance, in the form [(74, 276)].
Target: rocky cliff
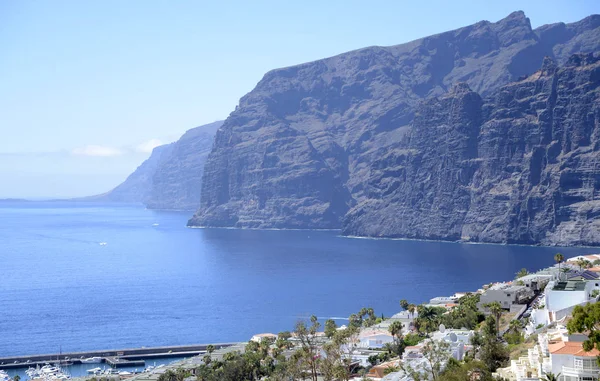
[(305, 148), (177, 181), (171, 177), (521, 166)]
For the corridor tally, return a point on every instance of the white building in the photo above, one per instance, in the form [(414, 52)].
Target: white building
[(507, 294), (405, 317), (572, 362), (535, 282), (559, 300), (258, 337), (374, 338)]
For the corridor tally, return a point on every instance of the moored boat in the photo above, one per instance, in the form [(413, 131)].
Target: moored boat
[(92, 360), (94, 370)]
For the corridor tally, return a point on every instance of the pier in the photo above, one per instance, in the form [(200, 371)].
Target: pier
[(115, 358)]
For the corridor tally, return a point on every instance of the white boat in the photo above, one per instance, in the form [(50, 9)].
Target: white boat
[(92, 360), (4, 376), (94, 370), (48, 369)]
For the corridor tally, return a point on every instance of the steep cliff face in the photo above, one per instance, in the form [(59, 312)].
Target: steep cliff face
[(177, 181), (523, 166), (137, 187), (171, 178), (299, 149)]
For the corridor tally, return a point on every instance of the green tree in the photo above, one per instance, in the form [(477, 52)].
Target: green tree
[(369, 317), (429, 318), (330, 328), (521, 273), (551, 377), (309, 350), (395, 330), (584, 264), (559, 258), (435, 354), (515, 325), (404, 304), (411, 309), (337, 362), (492, 352), (469, 370), (174, 375), (17, 378), (496, 310), (586, 319), (210, 349)]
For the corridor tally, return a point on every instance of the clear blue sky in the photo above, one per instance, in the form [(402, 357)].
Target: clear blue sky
[(87, 87)]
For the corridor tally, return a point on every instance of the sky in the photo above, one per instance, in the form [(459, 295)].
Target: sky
[(88, 88)]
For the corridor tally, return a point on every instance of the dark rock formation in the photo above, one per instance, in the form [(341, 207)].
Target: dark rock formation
[(177, 182), (316, 141), (171, 177), (519, 167)]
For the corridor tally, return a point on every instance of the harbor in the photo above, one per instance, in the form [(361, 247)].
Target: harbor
[(116, 358)]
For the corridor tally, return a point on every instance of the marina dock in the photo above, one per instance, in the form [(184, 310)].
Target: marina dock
[(115, 358)]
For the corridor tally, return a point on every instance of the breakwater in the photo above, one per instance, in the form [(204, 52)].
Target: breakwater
[(114, 357)]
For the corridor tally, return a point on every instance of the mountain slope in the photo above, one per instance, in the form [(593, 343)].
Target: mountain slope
[(177, 181), (171, 177), (299, 149), (138, 185)]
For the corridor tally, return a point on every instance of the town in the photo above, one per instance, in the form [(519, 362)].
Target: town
[(538, 326)]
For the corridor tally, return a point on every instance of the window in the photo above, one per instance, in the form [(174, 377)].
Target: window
[(585, 363)]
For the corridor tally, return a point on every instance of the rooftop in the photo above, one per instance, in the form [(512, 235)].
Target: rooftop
[(508, 286), (585, 274), (571, 348), (571, 285), (534, 277)]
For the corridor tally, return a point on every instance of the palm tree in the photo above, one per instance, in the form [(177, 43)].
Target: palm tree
[(521, 273), (17, 378), (515, 325), (404, 304), (396, 329), (551, 376), (583, 264), (558, 258), (411, 309), (428, 318), (496, 309)]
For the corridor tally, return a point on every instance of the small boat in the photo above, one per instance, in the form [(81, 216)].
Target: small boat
[(102, 243), (94, 370), (92, 360)]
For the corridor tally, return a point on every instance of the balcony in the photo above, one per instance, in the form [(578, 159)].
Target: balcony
[(581, 372)]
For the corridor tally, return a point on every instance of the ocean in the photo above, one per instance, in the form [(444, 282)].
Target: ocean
[(77, 276)]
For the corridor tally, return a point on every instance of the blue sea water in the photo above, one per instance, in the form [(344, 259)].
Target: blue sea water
[(156, 282)]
